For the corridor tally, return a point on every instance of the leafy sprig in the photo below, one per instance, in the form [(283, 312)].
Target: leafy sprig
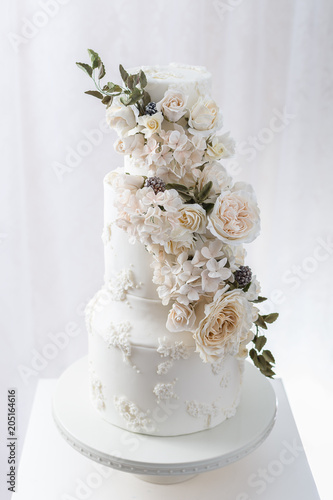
[(132, 93), (194, 195), (263, 359)]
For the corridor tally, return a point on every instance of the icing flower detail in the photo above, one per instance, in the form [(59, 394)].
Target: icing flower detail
[(181, 317)]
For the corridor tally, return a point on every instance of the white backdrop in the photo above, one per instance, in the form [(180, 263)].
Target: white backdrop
[(272, 69)]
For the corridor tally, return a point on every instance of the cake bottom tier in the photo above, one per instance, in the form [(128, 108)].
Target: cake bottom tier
[(163, 390)]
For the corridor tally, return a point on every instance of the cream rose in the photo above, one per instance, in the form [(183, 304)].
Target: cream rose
[(180, 318), (204, 115), (193, 218), (132, 144), (173, 105), (225, 326), (220, 147), (121, 118), (151, 124), (235, 217), (216, 173), (120, 181)]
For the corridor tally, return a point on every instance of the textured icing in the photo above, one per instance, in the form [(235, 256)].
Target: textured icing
[(192, 80)]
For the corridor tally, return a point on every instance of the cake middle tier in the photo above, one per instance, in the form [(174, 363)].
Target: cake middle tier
[(122, 257)]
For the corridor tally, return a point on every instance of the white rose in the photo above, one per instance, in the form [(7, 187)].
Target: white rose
[(220, 147), (173, 105), (121, 181), (151, 124), (204, 115), (235, 217), (193, 218), (216, 173), (130, 145), (225, 326), (180, 318), (121, 118)]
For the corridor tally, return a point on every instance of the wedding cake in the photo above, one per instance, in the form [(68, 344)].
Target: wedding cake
[(169, 329)]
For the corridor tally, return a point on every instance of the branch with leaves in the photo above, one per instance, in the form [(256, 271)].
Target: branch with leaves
[(132, 93)]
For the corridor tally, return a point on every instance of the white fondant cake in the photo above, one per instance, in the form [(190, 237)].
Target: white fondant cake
[(169, 328)]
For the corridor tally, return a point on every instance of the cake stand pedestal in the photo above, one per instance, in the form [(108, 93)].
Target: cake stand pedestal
[(163, 460)]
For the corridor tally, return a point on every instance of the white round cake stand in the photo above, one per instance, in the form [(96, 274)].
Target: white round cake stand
[(162, 460)]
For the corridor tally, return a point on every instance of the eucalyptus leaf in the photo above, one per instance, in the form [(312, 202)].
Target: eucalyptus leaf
[(94, 93), (112, 87), (130, 82), (270, 318), (101, 72), (85, 67), (204, 193), (107, 99), (135, 96), (268, 356), (208, 207), (260, 322), (177, 187), (95, 59), (146, 98), (259, 342), (259, 299), (142, 79), (246, 287), (123, 73)]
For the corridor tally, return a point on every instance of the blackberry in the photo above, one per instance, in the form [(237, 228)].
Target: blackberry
[(151, 109), (156, 183), (243, 276)]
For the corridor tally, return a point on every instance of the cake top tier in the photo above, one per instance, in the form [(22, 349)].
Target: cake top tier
[(192, 80)]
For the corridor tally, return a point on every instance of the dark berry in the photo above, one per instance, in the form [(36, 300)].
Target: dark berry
[(151, 108), (243, 276), (156, 183)]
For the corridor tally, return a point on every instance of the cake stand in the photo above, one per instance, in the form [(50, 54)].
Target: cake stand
[(157, 459)]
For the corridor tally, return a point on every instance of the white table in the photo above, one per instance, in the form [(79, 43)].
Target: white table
[(51, 470)]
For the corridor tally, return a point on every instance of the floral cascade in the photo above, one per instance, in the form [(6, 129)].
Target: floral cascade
[(188, 213)]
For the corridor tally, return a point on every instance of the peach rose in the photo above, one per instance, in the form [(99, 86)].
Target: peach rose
[(225, 326), (193, 218), (235, 217)]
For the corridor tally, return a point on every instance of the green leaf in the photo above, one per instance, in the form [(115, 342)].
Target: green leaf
[(268, 356), (130, 82), (112, 87), (262, 362), (123, 73), (270, 318), (101, 72), (208, 207), (260, 322), (246, 287), (204, 193), (107, 99), (95, 93), (146, 98), (95, 59), (259, 299), (85, 67), (125, 100), (134, 96), (259, 342), (178, 187), (142, 79)]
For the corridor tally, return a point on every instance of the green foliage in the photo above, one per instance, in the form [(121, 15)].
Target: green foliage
[(133, 93)]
